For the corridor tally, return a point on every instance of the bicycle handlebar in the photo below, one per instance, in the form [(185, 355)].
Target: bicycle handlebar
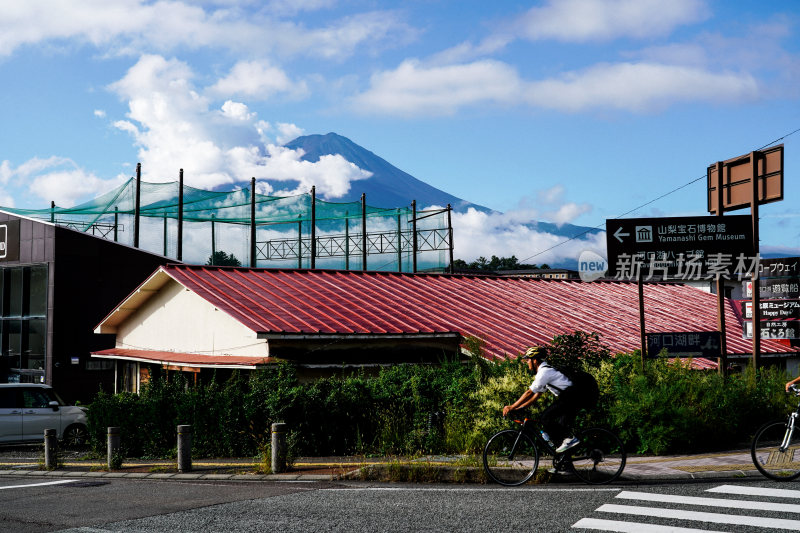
[(794, 389)]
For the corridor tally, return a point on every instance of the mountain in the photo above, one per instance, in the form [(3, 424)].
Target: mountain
[(388, 186), (391, 187)]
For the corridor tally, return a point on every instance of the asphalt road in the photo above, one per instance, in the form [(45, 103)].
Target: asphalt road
[(95, 505)]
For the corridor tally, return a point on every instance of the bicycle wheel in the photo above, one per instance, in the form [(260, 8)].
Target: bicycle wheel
[(510, 457), (599, 457), (781, 465)]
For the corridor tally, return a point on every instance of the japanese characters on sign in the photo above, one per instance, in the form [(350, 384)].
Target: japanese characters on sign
[(773, 309), (784, 267), (684, 248), (773, 288), (774, 329), (779, 285), (698, 344)]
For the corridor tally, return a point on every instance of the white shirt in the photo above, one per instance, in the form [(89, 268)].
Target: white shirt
[(547, 378)]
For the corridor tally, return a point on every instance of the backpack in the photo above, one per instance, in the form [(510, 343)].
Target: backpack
[(584, 383)]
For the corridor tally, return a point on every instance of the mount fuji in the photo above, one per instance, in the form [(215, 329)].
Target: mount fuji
[(391, 187)]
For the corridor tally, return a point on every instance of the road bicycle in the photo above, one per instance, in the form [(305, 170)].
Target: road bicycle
[(511, 456), (776, 446)]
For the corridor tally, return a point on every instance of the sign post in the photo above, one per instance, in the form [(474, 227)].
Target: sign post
[(688, 248)]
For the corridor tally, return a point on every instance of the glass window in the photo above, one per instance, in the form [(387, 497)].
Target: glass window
[(8, 398), (14, 328), (34, 399), (15, 293), (38, 291), (34, 351)]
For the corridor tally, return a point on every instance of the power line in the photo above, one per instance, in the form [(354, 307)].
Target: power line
[(600, 226)]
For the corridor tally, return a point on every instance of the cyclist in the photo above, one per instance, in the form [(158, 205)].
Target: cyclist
[(795, 381), (558, 416)]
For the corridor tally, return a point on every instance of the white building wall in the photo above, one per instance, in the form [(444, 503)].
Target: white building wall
[(176, 319)]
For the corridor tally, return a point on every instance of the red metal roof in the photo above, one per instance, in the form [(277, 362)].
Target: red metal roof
[(508, 313)]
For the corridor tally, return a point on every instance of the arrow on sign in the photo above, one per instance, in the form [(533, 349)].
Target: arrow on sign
[(619, 235)]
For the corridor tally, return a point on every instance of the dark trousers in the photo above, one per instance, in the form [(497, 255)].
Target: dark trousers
[(558, 417)]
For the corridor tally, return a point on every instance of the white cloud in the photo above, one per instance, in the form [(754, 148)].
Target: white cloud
[(136, 26), (57, 179), (483, 234), (99, 113), (414, 88), (236, 111), (257, 80), (639, 87), (417, 89), (593, 20), (175, 127)]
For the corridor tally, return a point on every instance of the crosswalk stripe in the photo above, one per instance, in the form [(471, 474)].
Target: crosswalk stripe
[(714, 502), (756, 491), (773, 523), (634, 527)]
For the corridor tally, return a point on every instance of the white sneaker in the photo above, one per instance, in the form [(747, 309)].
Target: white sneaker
[(569, 443)]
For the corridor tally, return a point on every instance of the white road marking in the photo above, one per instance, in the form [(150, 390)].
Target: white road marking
[(467, 489), (712, 502), (756, 491), (773, 523), (58, 482), (634, 527)]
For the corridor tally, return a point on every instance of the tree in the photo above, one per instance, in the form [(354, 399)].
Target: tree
[(221, 258), (494, 264)]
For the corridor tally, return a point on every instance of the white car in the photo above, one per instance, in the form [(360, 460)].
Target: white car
[(27, 409)]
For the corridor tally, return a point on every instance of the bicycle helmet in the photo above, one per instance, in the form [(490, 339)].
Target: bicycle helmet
[(535, 352)]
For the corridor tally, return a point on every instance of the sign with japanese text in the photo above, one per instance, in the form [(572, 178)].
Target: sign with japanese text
[(697, 344), (773, 309), (784, 267), (687, 248), (773, 288), (774, 329)]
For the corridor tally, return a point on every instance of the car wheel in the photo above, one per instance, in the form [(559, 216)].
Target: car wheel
[(76, 435)]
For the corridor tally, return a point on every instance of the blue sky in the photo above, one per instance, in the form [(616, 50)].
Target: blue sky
[(566, 111)]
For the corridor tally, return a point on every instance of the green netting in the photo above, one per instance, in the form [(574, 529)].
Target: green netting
[(218, 224)]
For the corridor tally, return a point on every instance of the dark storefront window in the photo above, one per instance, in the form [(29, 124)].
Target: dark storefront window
[(23, 323)]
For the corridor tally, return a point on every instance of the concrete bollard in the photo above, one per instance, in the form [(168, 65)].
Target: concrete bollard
[(279, 447), (50, 449), (184, 448), (114, 461)]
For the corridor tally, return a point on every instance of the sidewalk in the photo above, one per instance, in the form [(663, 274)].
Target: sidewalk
[(450, 469)]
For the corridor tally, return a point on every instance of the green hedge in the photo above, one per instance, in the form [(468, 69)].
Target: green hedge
[(448, 408)]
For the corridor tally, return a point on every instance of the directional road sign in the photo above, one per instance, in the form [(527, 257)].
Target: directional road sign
[(680, 247), (773, 309)]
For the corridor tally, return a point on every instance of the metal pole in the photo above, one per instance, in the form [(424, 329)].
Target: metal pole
[(299, 241), (138, 205), (180, 216), (50, 449), (253, 261), (363, 231), (756, 293), (642, 334), (279, 447), (313, 250), (113, 450), (52, 211), (722, 361), (414, 236), (213, 241), (346, 240), (116, 221), (165, 234), (399, 244), (184, 448), (450, 236)]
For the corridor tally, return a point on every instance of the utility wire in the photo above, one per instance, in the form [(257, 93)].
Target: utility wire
[(600, 226)]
